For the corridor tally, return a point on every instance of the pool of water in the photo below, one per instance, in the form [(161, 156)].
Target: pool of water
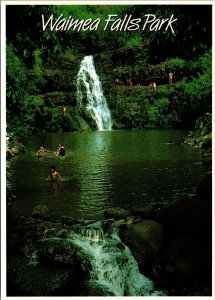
[(104, 169)]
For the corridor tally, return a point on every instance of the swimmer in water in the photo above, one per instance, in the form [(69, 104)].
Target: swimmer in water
[(54, 175), (60, 151)]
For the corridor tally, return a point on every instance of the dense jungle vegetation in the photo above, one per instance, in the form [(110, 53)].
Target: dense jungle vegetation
[(37, 61)]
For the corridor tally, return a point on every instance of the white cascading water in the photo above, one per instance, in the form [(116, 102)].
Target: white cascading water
[(114, 269), (89, 86)]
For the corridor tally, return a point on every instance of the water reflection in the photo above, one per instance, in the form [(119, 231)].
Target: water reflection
[(55, 186), (106, 169), (95, 178)]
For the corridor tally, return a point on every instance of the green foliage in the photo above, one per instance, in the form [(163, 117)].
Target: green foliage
[(166, 106), (158, 114), (36, 73), (206, 62), (16, 92), (37, 67), (176, 64), (16, 75), (135, 41), (20, 127), (56, 120), (36, 101), (20, 106), (198, 92)]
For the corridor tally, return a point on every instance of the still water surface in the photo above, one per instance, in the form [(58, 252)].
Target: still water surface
[(104, 169)]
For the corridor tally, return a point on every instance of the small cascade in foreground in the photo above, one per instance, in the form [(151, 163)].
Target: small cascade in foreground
[(114, 270), (92, 234), (90, 94)]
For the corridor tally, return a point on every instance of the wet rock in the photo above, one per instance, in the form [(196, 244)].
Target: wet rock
[(204, 190), (16, 147), (99, 291), (43, 227), (201, 137), (68, 220), (145, 212), (31, 221), (39, 280), (207, 142), (145, 239), (186, 256), (117, 213), (62, 233), (207, 158), (185, 216), (40, 211), (58, 249), (15, 243), (155, 271), (119, 223), (130, 220)]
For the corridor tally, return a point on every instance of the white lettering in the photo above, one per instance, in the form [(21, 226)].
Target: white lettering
[(51, 22), (109, 20)]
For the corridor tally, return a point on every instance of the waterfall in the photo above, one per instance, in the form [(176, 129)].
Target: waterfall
[(114, 269), (90, 94), (92, 234)]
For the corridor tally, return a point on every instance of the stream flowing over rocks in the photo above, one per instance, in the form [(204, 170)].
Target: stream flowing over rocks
[(169, 244)]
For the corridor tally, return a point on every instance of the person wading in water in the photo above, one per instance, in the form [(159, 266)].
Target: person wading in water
[(60, 151)]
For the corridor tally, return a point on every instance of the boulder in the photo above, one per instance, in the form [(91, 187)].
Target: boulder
[(207, 142), (15, 243), (40, 211), (67, 220), (58, 249), (185, 256), (144, 239), (204, 190), (116, 212), (207, 158), (185, 216), (144, 212), (49, 280), (201, 137)]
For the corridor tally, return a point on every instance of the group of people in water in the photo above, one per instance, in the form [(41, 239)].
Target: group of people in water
[(59, 152)]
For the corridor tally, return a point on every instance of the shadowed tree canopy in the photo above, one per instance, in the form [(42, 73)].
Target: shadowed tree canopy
[(193, 30)]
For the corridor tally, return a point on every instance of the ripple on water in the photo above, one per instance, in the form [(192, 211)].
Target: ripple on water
[(106, 169)]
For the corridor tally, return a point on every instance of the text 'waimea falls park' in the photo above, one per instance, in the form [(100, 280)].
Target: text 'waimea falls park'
[(113, 23)]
